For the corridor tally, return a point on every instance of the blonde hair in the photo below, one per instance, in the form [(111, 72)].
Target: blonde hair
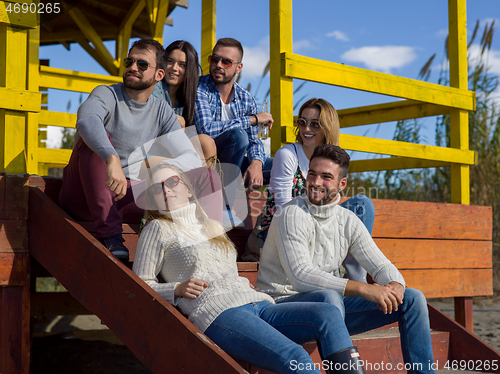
[(212, 229), (328, 120)]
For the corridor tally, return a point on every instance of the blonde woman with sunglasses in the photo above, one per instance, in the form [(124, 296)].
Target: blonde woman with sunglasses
[(317, 124), (198, 263)]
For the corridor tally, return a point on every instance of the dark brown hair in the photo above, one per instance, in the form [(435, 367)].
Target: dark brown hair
[(333, 153), (186, 95), (153, 46), (230, 42)]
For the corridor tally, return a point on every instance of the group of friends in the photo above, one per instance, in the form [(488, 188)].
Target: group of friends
[(163, 129)]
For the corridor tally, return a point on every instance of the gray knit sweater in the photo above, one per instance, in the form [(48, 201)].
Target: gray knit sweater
[(179, 256), (130, 125), (306, 245)]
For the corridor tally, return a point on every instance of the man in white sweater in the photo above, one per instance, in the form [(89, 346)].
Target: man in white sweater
[(308, 240)]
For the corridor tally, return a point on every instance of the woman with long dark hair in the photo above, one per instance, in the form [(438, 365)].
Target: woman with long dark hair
[(178, 88)]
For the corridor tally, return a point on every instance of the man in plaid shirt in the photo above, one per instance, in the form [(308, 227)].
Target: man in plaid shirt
[(228, 113)]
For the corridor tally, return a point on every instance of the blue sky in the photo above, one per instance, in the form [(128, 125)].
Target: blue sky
[(390, 36)]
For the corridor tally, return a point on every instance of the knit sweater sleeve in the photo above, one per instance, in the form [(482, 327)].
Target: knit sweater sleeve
[(149, 258), (369, 256), (294, 248)]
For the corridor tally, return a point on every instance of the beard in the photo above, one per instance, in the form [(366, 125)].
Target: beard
[(328, 196), (225, 79), (138, 85)]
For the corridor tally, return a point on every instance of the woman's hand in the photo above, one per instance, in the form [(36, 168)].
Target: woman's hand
[(191, 288)]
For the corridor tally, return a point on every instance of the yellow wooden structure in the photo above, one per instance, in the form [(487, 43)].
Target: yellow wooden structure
[(91, 23)]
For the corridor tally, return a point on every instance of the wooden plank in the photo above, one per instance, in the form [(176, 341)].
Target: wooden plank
[(20, 100), (311, 69), (464, 345), (388, 112), (393, 163), (17, 19), (437, 254), (450, 282), (464, 313), (77, 81), (408, 219), (14, 330), (54, 156), (115, 294), (48, 185), (13, 236), (57, 119), (13, 197), (14, 269)]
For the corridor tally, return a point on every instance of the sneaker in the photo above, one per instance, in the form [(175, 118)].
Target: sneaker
[(115, 245)]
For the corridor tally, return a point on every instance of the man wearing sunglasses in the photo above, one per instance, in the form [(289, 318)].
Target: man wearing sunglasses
[(228, 113), (113, 122)]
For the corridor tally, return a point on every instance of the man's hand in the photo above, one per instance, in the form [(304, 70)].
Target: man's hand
[(254, 175), (192, 288), (266, 119), (117, 182), (387, 297), (181, 120)]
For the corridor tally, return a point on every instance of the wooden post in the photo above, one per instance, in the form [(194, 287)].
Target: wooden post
[(208, 23), (281, 41), (459, 129), (14, 277)]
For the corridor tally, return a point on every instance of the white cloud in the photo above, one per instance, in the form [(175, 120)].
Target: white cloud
[(302, 44), (382, 58), (490, 58), (339, 35), (255, 59)]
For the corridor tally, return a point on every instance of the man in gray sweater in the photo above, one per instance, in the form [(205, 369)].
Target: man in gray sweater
[(308, 240), (111, 124)]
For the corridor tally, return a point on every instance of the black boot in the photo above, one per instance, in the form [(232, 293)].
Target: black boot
[(345, 361)]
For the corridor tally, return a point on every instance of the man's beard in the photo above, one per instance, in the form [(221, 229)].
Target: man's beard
[(223, 80), (138, 85), (328, 196)]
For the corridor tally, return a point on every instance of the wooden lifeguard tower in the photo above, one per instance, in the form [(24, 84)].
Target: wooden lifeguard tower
[(426, 241)]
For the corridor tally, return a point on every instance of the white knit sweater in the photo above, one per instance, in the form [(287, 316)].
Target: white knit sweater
[(306, 245), (179, 256)]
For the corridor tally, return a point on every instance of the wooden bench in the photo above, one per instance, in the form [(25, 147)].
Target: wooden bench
[(445, 250)]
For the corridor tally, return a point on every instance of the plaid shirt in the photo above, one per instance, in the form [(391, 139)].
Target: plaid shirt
[(207, 116)]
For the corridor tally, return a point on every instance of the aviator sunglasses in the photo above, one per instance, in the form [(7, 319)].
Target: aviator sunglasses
[(171, 182), (302, 122), (141, 64), (226, 62)]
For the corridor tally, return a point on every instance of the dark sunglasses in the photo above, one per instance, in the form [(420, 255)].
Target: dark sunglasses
[(171, 182), (141, 64), (226, 62), (302, 122)]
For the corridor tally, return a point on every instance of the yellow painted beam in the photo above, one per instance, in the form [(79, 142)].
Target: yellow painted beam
[(58, 119), (31, 141), (54, 156), (403, 149), (310, 69), (459, 119), (281, 42), (24, 101), (9, 15), (105, 59), (161, 17), (70, 80), (152, 9), (393, 163), (208, 27), (123, 38), (388, 112)]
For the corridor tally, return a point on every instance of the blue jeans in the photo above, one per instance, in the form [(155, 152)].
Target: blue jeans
[(362, 315), (363, 207), (269, 335)]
